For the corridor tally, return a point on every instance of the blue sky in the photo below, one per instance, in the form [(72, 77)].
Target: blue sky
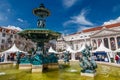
[(67, 16)]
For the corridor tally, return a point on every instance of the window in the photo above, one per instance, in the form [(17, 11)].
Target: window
[(118, 41), (112, 42), (76, 47), (2, 46), (3, 30), (3, 34), (106, 42), (81, 36), (15, 36), (11, 36), (3, 41)]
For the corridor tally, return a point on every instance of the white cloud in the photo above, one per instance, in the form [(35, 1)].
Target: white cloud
[(69, 3), (112, 21), (13, 27), (20, 20), (79, 19)]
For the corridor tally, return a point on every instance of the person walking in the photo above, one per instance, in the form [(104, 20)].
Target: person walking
[(117, 58)]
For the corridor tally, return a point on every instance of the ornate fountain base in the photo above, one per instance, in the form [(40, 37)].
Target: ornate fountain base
[(37, 68), (53, 66), (88, 74), (73, 62), (25, 66)]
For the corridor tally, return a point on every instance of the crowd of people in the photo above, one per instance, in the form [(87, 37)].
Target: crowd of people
[(10, 57)]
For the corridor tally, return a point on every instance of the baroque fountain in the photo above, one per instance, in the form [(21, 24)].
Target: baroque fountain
[(40, 58), (42, 62)]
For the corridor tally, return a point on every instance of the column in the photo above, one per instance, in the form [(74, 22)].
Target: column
[(96, 42), (91, 42), (103, 41), (109, 43)]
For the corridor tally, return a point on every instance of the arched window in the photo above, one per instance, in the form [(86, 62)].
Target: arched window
[(112, 42), (118, 41), (99, 42), (106, 42), (94, 44)]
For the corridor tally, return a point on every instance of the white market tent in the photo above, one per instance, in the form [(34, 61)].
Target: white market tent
[(51, 50), (72, 52), (102, 48), (82, 48), (13, 49), (118, 50)]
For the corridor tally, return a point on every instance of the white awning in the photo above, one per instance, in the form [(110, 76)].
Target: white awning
[(70, 50), (118, 50), (102, 48), (51, 50), (13, 49), (82, 48)]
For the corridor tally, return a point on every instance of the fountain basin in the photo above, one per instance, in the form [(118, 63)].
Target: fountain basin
[(104, 72)]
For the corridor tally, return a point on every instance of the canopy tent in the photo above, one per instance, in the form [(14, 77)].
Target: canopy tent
[(102, 48), (13, 49), (70, 50), (118, 50), (51, 50), (82, 48)]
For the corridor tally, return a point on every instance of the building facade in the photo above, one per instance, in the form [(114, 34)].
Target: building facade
[(8, 37), (109, 35)]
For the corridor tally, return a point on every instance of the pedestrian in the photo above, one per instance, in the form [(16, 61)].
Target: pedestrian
[(117, 58), (106, 59)]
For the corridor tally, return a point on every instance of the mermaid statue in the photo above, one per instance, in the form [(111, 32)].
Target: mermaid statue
[(87, 64), (37, 57)]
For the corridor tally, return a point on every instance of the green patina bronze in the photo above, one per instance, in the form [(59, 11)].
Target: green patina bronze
[(66, 56), (23, 59), (53, 58), (87, 64)]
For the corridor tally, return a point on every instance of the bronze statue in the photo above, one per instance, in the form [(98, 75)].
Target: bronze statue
[(86, 62)]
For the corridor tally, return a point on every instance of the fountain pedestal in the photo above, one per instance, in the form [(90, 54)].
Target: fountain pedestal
[(37, 68), (73, 62), (53, 66), (88, 74), (25, 66)]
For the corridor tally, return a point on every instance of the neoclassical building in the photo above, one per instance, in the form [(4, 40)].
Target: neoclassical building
[(109, 35)]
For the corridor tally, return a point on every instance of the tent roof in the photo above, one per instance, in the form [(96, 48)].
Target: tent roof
[(118, 50), (70, 50), (51, 50), (82, 48), (102, 48), (13, 49)]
